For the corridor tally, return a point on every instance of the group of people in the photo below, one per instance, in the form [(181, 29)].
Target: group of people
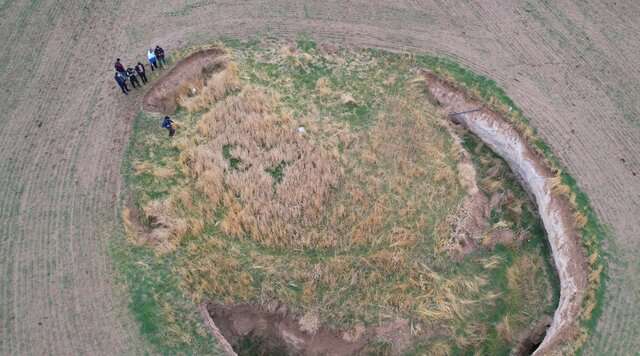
[(156, 58)]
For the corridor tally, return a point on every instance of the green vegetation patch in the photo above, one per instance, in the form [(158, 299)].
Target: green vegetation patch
[(167, 316)]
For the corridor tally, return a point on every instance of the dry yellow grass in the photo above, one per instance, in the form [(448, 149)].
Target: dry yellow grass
[(274, 182), (322, 87), (316, 204), (130, 227), (439, 348), (342, 224), (217, 80), (504, 329)]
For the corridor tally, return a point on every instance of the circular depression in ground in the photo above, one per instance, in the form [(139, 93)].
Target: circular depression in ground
[(318, 189)]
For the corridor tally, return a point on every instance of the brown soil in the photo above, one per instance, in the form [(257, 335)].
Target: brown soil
[(273, 331), (137, 231), (571, 66), (537, 178), (163, 95), (531, 339), (503, 237), (471, 221), (223, 343)]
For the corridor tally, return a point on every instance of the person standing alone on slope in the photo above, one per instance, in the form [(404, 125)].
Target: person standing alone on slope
[(168, 124)]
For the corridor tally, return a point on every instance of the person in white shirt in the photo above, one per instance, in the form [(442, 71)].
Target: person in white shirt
[(153, 62)]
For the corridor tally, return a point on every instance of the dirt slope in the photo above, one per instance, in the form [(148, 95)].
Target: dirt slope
[(572, 66)]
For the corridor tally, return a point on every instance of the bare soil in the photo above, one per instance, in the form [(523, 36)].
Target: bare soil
[(163, 94), (531, 339), (472, 218), (572, 67), (273, 331), (555, 210)]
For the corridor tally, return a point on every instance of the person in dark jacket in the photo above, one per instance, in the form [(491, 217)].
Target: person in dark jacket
[(168, 124), (119, 67), (141, 72), (160, 55), (131, 74), (122, 82)]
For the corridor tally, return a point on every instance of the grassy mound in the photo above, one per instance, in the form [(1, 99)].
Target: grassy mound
[(324, 180)]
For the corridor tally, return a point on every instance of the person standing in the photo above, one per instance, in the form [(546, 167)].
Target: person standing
[(151, 56), (132, 77), (160, 55), (141, 72), (122, 82), (168, 124), (119, 67)]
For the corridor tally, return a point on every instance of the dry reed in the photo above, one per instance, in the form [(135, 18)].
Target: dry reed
[(273, 182)]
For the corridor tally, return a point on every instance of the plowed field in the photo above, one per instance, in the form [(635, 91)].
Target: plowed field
[(572, 66)]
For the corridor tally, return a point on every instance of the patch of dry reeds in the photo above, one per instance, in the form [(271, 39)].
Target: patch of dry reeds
[(274, 183), (214, 83)]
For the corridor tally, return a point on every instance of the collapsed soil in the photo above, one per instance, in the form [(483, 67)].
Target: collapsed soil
[(561, 217), (289, 188), (162, 96), (254, 331)]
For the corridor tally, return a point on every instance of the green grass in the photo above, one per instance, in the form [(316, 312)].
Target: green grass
[(486, 87), (167, 317), (277, 172), (234, 162), (144, 186), (306, 44), (352, 78)]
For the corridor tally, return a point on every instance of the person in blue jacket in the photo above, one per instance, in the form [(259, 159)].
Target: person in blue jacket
[(168, 124), (122, 82)]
